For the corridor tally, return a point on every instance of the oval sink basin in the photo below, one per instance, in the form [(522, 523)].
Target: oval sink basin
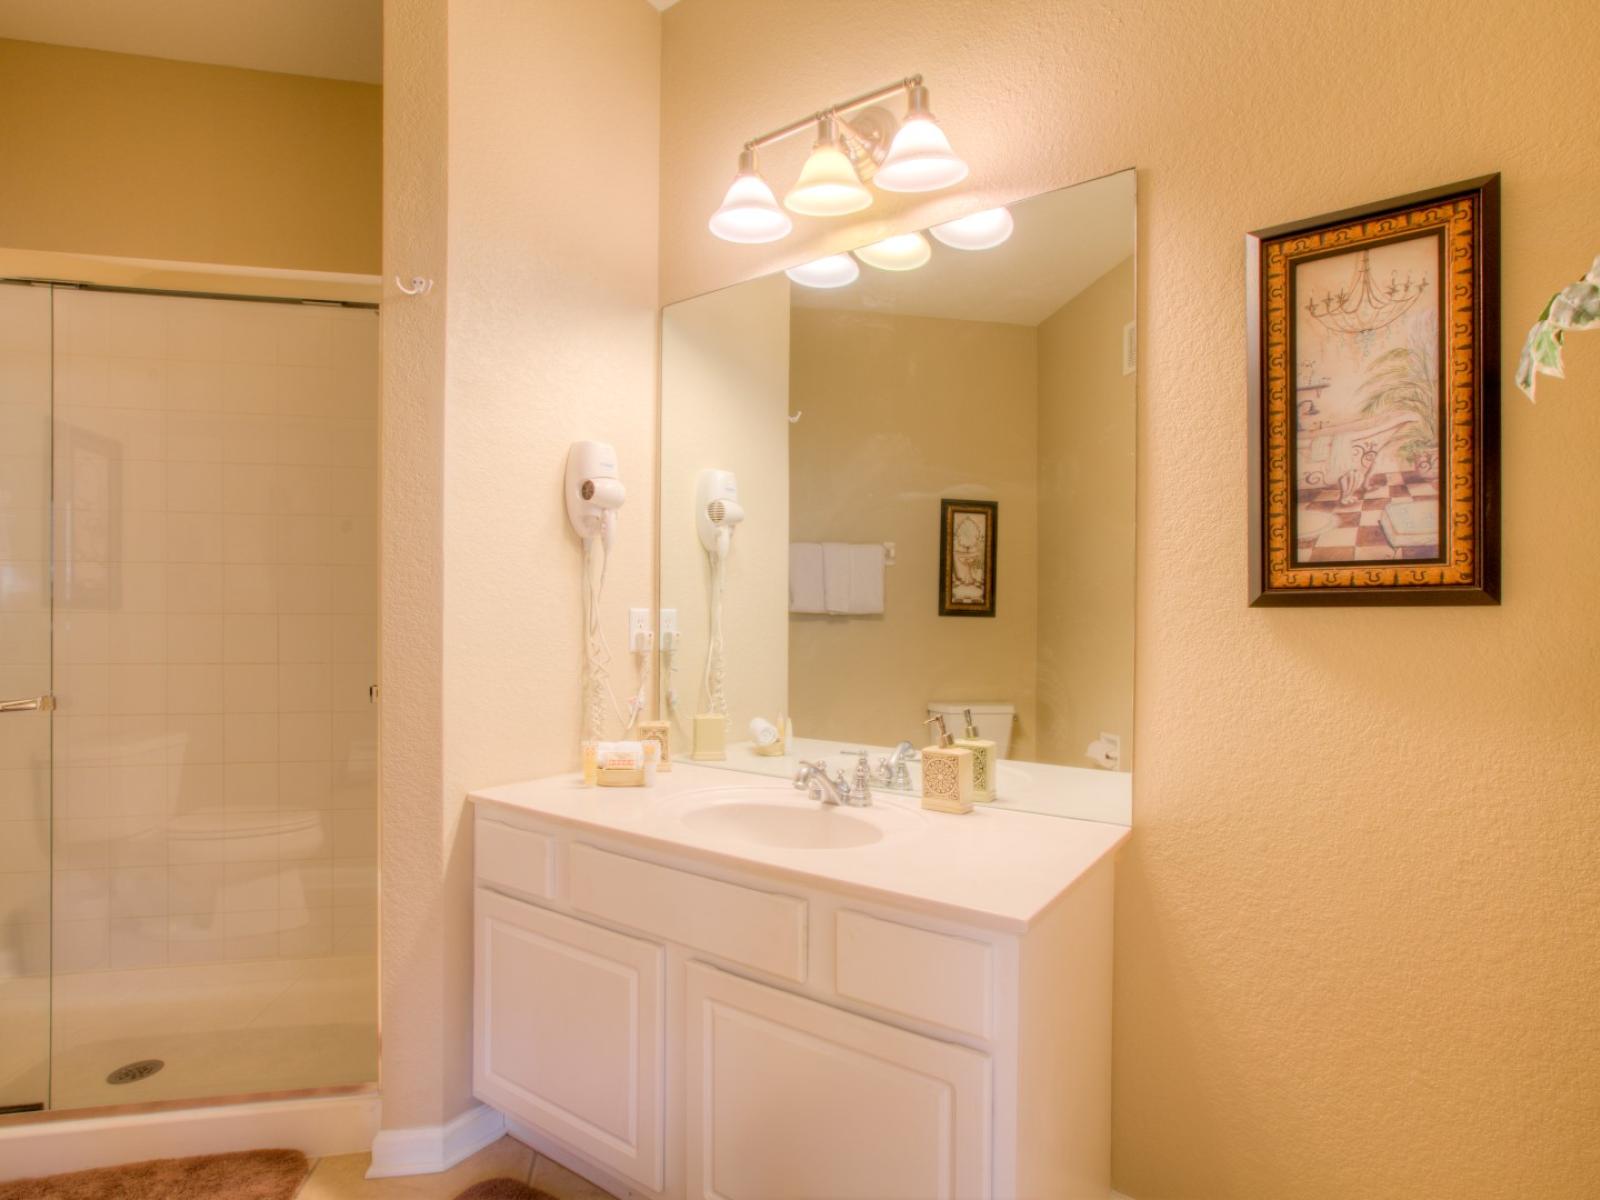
[(785, 826)]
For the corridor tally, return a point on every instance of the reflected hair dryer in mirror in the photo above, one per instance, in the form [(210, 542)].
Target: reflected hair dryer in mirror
[(717, 510)]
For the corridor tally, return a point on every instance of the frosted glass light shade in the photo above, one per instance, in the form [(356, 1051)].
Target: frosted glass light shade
[(980, 231), (836, 270), (903, 252), (828, 185), (750, 212), (920, 159)]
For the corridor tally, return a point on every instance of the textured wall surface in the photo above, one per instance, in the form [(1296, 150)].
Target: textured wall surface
[(1358, 927), (1087, 410), (204, 163), (423, 1041)]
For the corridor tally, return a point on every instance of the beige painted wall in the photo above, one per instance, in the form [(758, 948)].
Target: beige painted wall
[(725, 382), (1357, 927), (861, 473), (1086, 529), (538, 217), (118, 154), (420, 920)]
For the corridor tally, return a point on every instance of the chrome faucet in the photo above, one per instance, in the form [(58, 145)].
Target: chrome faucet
[(898, 774), (813, 779), (888, 772)]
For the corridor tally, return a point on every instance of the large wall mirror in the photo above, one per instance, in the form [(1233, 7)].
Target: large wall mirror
[(889, 494)]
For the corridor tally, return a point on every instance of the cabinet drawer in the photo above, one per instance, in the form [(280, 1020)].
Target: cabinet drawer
[(915, 972), (516, 860), (758, 929)]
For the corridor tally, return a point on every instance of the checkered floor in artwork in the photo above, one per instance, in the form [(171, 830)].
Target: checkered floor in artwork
[(1354, 534)]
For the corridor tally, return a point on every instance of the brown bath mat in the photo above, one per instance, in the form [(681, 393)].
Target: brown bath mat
[(503, 1189), (249, 1175)]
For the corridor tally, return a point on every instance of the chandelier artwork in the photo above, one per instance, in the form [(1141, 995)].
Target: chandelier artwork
[(1364, 306)]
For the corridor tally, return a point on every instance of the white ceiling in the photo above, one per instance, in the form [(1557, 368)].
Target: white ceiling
[(1064, 241), (334, 39)]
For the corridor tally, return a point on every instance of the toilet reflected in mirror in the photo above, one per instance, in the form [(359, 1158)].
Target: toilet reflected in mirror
[(936, 471)]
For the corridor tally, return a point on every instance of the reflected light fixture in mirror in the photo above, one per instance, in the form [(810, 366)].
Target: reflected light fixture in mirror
[(920, 158), (978, 231), (836, 270), (750, 212), (903, 252), (828, 185)]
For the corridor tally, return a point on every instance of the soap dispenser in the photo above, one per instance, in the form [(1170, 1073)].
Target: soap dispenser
[(983, 760), (946, 772)]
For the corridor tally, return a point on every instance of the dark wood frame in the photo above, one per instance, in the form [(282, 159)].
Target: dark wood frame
[(991, 509), (1471, 575)]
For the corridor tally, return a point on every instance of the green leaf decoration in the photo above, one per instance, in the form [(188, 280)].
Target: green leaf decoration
[(1576, 306)]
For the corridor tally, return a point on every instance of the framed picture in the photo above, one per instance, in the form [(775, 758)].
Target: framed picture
[(1374, 371), (967, 539)]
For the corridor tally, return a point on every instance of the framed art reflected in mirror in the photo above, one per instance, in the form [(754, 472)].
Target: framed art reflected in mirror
[(968, 554), (1374, 403)]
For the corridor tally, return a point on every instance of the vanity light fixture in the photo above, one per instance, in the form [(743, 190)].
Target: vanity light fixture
[(977, 231), (857, 140), (828, 185), (750, 211), (903, 252), (836, 270)]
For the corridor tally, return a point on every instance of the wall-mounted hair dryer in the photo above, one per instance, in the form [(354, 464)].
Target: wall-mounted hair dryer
[(717, 510), (594, 493)]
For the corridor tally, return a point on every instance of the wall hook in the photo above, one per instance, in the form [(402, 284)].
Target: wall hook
[(795, 419), (419, 285)]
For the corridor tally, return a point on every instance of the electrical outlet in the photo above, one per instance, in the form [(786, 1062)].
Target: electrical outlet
[(1113, 744), (639, 630), (669, 621)]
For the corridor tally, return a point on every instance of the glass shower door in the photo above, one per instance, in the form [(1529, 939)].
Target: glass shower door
[(25, 704)]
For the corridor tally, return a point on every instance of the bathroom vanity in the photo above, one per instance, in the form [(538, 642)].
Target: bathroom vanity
[(717, 987)]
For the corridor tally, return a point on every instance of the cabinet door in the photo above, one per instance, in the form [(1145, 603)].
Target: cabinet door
[(789, 1099), (568, 1032)]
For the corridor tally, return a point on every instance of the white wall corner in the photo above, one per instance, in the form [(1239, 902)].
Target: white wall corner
[(433, 1148)]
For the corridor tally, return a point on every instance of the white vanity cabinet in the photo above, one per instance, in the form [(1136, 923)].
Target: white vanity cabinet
[(675, 1024)]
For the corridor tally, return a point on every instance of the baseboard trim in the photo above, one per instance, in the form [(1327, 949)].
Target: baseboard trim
[(316, 1125), (429, 1149)]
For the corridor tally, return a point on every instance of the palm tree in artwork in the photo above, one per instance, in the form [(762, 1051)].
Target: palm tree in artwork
[(1402, 380)]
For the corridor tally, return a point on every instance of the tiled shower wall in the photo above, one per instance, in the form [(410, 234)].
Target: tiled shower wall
[(215, 591)]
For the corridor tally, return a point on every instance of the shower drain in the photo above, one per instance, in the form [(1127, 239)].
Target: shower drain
[(135, 1071)]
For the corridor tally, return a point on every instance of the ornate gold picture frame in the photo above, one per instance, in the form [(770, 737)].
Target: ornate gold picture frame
[(1374, 403)]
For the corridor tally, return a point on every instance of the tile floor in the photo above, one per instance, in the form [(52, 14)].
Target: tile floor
[(344, 1177)]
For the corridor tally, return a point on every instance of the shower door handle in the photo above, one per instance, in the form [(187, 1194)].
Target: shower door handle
[(42, 703)]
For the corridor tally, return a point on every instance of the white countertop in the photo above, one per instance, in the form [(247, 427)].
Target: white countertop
[(990, 867)]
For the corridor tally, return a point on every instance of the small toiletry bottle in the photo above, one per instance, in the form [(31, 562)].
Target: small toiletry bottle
[(983, 760), (591, 761), (652, 760), (661, 733), (946, 772)]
